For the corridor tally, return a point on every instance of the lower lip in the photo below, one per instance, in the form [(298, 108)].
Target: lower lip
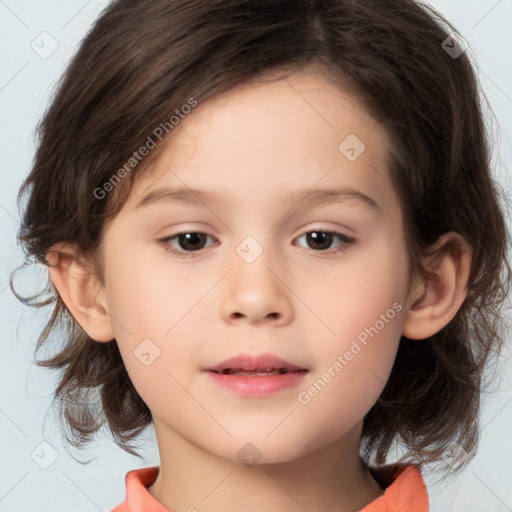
[(258, 385)]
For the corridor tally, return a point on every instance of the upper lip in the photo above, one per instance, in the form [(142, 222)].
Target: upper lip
[(259, 362)]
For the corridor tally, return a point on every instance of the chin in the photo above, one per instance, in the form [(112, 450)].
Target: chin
[(259, 450)]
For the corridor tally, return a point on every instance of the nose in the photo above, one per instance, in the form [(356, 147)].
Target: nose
[(257, 292)]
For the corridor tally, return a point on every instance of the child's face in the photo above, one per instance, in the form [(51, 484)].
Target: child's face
[(255, 148)]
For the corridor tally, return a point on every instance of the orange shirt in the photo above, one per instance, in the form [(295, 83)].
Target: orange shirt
[(406, 491)]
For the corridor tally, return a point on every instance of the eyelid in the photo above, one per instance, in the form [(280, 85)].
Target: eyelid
[(346, 241)]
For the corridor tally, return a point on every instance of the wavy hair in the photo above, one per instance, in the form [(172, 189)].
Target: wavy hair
[(141, 61)]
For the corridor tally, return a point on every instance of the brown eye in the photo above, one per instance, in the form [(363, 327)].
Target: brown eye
[(191, 241), (322, 240), (183, 243), (319, 240)]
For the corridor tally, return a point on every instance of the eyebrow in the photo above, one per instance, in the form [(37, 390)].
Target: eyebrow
[(207, 197)]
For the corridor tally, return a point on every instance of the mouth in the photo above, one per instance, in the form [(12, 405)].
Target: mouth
[(256, 375), (263, 372), (255, 365)]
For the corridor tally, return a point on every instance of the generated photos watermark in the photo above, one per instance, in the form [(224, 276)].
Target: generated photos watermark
[(305, 397), (151, 142)]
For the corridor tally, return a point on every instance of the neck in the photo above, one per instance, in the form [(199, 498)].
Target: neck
[(332, 477)]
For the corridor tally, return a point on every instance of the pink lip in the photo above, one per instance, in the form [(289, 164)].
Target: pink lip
[(256, 385), (249, 362)]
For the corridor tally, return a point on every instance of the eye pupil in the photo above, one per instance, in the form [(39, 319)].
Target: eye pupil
[(322, 238), (189, 240)]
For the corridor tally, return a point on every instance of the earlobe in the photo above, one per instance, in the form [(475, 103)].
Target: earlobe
[(80, 288), (436, 301)]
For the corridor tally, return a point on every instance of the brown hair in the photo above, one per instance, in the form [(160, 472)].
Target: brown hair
[(142, 61)]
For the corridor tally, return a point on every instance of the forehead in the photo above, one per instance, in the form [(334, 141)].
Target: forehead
[(274, 135)]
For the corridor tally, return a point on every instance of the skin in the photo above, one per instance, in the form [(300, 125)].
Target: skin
[(257, 144)]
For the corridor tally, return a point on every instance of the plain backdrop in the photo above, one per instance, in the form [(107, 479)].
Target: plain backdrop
[(37, 472)]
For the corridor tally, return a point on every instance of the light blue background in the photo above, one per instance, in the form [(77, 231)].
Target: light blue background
[(26, 84)]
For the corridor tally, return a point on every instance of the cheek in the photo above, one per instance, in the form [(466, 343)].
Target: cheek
[(148, 308), (367, 289), (348, 383), (147, 295), (362, 310)]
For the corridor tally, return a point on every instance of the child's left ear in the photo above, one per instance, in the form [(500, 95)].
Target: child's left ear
[(434, 302)]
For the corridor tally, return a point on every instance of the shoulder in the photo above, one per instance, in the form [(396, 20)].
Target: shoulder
[(404, 489), (137, 495)]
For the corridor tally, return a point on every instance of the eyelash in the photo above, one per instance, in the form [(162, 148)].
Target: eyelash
[(190, 254)]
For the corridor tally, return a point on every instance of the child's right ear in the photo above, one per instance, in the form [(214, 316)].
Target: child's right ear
[(78, 285)]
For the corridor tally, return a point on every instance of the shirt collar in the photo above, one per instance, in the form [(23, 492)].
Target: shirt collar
[(406, 491)]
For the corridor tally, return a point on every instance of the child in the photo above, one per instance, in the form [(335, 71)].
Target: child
[(343, 292)]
